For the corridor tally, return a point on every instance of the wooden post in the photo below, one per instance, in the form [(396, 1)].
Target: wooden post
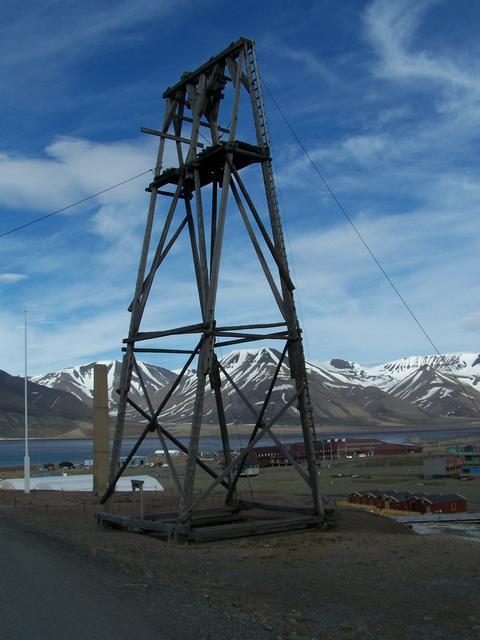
[(101, 453)]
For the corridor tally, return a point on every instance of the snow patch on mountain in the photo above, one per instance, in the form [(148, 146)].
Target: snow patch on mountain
[(406, 389), (79, 380)]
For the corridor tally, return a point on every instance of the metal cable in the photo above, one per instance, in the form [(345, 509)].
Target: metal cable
[(74, 204)]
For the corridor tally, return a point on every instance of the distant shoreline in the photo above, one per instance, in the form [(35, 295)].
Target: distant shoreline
[(183, 430)]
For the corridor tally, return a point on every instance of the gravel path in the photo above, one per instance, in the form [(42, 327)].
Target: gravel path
[(367, 579), (51, 589)]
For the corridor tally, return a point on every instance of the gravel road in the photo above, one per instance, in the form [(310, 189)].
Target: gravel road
[(48, 592), (367, 578)]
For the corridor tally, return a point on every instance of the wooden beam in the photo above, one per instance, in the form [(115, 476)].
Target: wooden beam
[(202, 124), (268, 506), (290, 458), (199, 273), (275, 254), (229, 468), (148, 335), (265, 325), (259, 421), (237, 389), (130, 522), (216, 385), (169, 136), (236, 98), (186, 351), (159, 255), (251, 336), (158, 259), (115, 474), (171, 466), (258, 250), (202, 245), (253, 527), (229, 343)]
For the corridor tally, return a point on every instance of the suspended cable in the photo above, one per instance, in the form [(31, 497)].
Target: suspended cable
[(74, 204), (367, 247)]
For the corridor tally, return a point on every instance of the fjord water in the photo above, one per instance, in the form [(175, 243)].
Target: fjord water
[(77, 450)]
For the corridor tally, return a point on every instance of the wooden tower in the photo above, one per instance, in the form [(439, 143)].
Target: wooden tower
[(195, 196)]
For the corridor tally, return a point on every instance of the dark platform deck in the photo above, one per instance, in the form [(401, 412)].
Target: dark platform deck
[(210, 164)]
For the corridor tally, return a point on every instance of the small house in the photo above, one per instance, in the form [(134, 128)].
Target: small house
[(374, 498), (443, 503), (356, 497), (399, 500), (469, 452)]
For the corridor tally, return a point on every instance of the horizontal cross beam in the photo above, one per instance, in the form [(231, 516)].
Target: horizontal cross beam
[(202, 124), (149, 335), (152, 350), (169, 136), (265, 325)]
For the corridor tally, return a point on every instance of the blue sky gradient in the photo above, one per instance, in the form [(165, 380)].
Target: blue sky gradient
[(385, 96)]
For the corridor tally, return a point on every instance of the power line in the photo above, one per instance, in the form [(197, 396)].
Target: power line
[(367, 247), (74, 204)]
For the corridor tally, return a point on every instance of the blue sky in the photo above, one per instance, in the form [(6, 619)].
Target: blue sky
[(385, 96)]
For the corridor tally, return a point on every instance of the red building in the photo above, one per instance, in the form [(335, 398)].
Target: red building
[(325, 450), (399, 500), (406, 501), (358, 447), (442, 503)]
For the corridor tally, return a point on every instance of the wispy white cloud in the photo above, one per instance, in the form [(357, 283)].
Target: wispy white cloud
[(57, 32), (70, 169), (8, 278), (306, 58), (79, 277), (348, 307), (392, 27)]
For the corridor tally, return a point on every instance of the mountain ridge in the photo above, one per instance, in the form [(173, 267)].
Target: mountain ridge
[(341, 390), (415, 390)]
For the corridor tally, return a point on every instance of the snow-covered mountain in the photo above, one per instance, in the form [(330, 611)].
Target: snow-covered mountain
[(51, 411), (252, 370), (79, 381), (464, 367), (463, 364), (405, 391), (439, 392)]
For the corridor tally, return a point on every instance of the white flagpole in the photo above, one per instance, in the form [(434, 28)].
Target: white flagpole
[(26, 459)]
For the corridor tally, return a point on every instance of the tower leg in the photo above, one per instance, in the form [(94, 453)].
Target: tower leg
[(295, 352), (217, 390), (186, 499)]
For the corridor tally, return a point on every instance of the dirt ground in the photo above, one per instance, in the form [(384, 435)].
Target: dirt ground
[(365, 578)]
